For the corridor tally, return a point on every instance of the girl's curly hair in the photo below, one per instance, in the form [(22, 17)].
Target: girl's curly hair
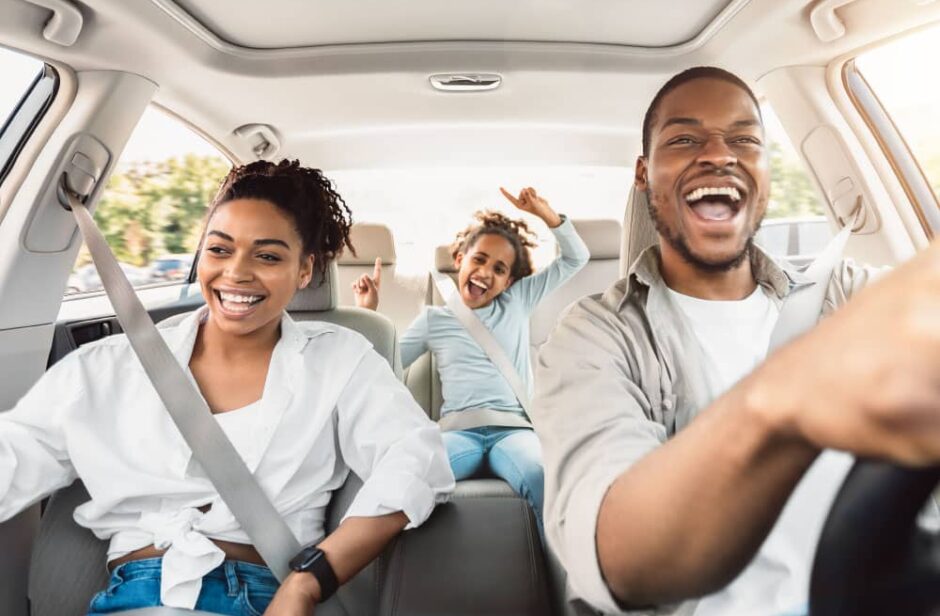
[(516, 232), (320, 215)]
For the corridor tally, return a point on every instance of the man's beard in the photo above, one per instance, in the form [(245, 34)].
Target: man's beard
[(679, 244)]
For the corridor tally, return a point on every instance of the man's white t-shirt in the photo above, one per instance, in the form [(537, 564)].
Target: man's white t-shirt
[(734, 336)]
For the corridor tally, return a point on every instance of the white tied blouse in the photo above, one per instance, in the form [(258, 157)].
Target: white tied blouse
[(330, 405)]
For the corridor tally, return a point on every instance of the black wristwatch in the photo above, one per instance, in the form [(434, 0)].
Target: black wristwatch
[(313, 560)]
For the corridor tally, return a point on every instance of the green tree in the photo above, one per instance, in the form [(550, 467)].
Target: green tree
[(152, 208), (792, 193)]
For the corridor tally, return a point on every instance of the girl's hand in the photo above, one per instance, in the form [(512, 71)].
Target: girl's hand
[(366, 289), (529, 201)]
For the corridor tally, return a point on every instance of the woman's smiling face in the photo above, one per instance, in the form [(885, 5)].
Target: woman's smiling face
[(251, 265)]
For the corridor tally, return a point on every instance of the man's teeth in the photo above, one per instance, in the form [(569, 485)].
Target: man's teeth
[(479, 284), (239, 299), (726, 191)]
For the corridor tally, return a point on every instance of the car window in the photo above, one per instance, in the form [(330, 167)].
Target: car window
[(152, 210), (795, 225), (425, 208), (899, 74), (23, 98)]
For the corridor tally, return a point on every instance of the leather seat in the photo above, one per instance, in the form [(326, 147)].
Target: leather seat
[(602, 238), (401, 297)]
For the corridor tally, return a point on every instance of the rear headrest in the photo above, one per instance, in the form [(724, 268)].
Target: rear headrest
[(601, 236), (320, 295), (639, 232), (444, 260), (371, 241)]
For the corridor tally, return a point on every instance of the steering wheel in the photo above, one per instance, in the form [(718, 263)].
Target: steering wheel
[(872, 557)]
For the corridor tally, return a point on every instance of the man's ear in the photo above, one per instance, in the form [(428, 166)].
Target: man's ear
[(458, 260), (306, 271), (640, 173)]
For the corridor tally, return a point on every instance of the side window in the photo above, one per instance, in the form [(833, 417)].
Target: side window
[(28, 89), (893, 86), (795, 226), (152, 209)]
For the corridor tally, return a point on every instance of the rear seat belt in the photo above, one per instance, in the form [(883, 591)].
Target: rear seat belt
[(224, 467), (802, 308), (483, 336)]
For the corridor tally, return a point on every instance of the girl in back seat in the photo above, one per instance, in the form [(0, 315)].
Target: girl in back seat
[(485, 427), (288, 395)]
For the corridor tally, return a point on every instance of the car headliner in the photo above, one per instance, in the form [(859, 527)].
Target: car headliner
[(347, 86)]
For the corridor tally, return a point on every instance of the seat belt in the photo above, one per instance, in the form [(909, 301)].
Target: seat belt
[(237, 487), (483, 336), (802, 308)]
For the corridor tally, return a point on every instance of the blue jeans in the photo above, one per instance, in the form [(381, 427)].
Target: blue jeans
[(512, 454), (234, 588)]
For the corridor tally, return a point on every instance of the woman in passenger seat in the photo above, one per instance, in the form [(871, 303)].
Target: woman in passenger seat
[(485, 427), (289, 396)]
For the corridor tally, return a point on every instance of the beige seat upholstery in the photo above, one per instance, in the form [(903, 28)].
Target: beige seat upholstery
[(603, 238), (401, 297), (421, 377)]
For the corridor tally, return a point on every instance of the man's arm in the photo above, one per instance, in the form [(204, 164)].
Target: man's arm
[(866, 380)]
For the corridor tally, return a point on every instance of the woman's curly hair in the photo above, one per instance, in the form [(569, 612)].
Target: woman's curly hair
[(516, 232), (320, 215)]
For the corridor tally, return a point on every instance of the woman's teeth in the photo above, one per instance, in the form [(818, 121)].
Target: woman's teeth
[(239, 303)]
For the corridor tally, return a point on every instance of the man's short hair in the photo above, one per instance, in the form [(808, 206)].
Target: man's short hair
[(691, 74)]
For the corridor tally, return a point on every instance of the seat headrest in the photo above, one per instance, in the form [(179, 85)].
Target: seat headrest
[(318, 296), (601, 236), (371, 241), (639, 232), (444, 260)]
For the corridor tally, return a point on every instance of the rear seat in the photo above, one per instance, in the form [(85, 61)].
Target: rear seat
[(401, 297), (478, 554), (421, 377), (603, 238)]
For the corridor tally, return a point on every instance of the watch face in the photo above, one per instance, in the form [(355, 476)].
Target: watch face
[(305, 559)]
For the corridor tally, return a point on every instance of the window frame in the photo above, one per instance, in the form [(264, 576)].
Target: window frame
[(26, 116), (191, 278), (894, 147)]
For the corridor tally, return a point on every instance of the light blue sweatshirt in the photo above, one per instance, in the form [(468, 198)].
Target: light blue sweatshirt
[(469, 380)]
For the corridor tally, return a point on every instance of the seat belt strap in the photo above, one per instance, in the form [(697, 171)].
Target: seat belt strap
[(483, 337), (224, 467), (803, 307)]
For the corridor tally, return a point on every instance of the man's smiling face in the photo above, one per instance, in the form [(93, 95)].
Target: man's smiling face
[(706, 173)]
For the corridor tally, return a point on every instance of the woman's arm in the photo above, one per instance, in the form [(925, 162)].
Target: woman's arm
[(388, 441), (34, 461), (352, 546)]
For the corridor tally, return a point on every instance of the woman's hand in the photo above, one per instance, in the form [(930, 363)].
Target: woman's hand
[(366, 289), (529, 201), (297, 596)]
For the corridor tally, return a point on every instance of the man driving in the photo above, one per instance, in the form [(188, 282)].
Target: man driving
[(685, 474)]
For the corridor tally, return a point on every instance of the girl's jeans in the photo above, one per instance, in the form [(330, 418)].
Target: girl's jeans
[(512, 454)]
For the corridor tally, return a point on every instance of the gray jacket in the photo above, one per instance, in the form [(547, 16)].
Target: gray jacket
[(616, 379)]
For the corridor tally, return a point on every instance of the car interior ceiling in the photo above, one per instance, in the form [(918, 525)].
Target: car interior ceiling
[(260, 86)]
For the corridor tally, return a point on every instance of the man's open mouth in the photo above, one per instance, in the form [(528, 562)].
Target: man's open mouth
[(714, 203), (238, 302), (476, 289)]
